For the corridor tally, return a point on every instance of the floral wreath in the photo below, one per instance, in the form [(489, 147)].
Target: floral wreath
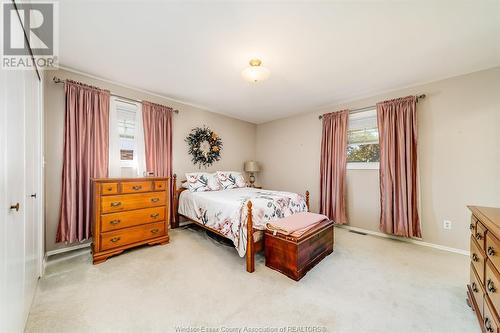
[(204, 146)]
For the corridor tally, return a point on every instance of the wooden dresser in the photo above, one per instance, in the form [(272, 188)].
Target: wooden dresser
[(127, 213), (484, 289)]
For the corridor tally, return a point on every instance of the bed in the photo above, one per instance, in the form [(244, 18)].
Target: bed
[(237, 213)]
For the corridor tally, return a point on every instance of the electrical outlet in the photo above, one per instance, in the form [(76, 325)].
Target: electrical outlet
[(446, 224)]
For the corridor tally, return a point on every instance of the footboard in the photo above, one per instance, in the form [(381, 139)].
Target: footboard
[(250, 254)]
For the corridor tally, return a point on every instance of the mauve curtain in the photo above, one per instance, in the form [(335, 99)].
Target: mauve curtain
[(157, 120), (85, 157), (397, 125), (333, 166)]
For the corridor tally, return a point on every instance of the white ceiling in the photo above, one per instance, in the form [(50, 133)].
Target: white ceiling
[(319, 53)]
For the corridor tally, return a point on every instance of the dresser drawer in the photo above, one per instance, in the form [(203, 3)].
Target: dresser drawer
[(114, 239), (131, 218), (117, 203), (477, 289), (109, 188), (480, 235), (493, 249), (137, 187), (492, 284), (472, 225), (490, 319), (160, 185), (477, 257)]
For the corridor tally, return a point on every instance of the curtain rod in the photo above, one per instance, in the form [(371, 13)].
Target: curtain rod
[(421, 96), (58, 80)]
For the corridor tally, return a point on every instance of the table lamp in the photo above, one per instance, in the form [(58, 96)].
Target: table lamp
[(252, 167)]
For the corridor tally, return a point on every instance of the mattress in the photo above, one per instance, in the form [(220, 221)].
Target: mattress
[(226, 211)]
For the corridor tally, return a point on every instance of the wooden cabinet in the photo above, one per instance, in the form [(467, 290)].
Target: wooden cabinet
[(295, 256), (477, 289), (477, 258), (484, 288), (128, 213)]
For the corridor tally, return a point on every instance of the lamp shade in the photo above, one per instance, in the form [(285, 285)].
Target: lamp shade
[(251, 166)]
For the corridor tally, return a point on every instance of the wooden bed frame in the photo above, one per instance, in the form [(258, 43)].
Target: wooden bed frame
[(252, 247)]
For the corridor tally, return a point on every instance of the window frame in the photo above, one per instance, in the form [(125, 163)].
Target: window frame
[(363, 165)]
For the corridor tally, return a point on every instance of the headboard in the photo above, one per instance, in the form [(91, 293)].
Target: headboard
[(177, 193)]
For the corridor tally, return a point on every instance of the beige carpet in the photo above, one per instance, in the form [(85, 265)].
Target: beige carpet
[(368, 284)]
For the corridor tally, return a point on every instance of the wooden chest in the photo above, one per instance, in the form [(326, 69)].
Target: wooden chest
[(293, 256), (484, 288), (128, 213)]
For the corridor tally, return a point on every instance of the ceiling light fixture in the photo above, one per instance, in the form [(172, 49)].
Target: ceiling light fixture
[(255, 72)]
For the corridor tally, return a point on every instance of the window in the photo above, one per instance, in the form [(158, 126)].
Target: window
[(363, 151), (126, 139), (127, 132)]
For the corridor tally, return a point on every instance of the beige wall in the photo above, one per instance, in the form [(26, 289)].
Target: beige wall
[(458, 148), (238, 139), (459, 152)]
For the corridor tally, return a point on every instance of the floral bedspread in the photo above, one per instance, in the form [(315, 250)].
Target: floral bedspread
[(226, 210)]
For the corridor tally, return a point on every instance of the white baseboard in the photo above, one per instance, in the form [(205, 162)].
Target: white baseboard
[(67, 249), (407, 240)]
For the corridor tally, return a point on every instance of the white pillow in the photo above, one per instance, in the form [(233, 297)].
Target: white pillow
[(202, 182), (230, 179)]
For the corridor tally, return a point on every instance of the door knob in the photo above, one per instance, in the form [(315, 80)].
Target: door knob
[(16, 207), (33, 195)]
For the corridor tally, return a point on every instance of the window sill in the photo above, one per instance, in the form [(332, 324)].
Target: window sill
[(363, 166)]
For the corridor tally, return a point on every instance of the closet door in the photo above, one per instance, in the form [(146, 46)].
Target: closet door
[(32, 174), (3, 199), (20, 180), (20, 184), (13, 209)]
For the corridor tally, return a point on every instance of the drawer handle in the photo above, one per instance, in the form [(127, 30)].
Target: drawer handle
[(487, 325), (471, 226), (154, 231), (136, 187), (479, 236), (155, 199), (109, 189), (116, 204), (114, 222), (115, 239), (491, 286), (475, 257), (155, 215), (474, 287), (491, 251)]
